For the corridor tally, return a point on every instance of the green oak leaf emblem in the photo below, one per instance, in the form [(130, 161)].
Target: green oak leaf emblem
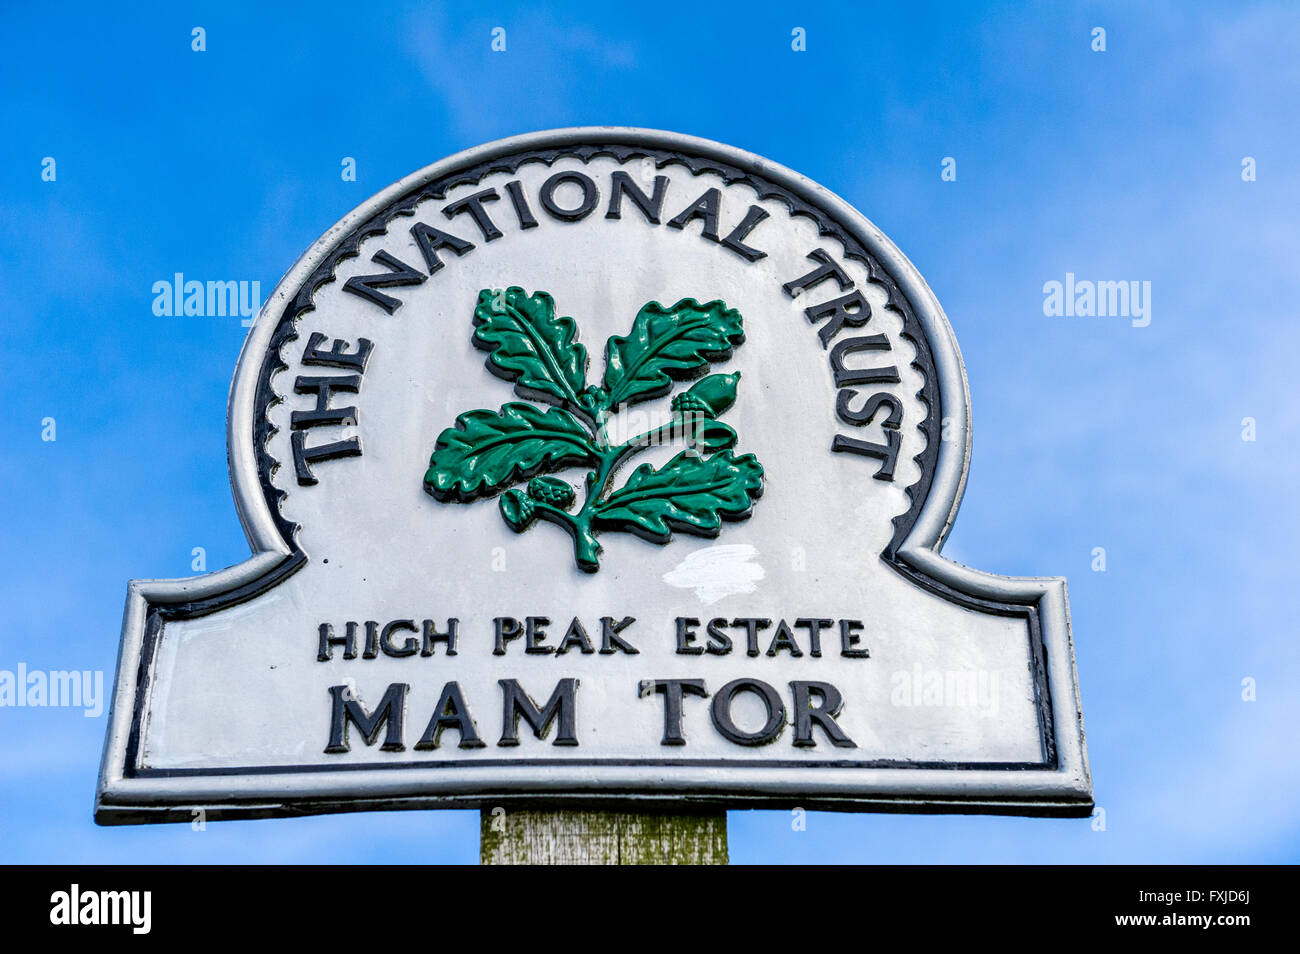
[(530, 345)]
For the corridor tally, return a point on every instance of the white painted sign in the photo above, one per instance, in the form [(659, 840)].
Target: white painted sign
[(597, 464)]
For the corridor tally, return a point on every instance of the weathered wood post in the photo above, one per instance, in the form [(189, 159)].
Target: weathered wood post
[(568, 837)]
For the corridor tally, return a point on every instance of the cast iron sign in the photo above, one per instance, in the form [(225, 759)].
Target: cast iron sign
[(597, 465)]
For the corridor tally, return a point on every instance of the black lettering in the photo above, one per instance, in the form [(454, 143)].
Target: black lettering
[(515, 189), (721, 712), (852, 309), (621, 183), (719, 642), (431, 241), (886, 453), (516, 702), (408, 648), (845, 375), (324, 388), (610, 642), (805, 714), (399, 274), (735, 237), (672, 690), (451, 712), (325, 648), (815, 627), (431, 636), (867, 412), (507, 628), (827, 269), (535, 635), (686, 636), (576, 637), (752, 626), (304, 456), (784, 639), (390, 713), (590, 196), (473, 204), (706, 208), (849, 638), (337, 356)]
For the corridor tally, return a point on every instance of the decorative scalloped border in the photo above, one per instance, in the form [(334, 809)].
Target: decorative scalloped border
[(405, 204)]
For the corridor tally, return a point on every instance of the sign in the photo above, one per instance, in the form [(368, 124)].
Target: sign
[(588, 466)]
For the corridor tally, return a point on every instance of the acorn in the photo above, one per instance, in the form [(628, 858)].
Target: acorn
[(517, 510), (709, 397), (551, 490)]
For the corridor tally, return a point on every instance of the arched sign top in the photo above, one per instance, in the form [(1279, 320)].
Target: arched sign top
[(936, 495), (597, 464)]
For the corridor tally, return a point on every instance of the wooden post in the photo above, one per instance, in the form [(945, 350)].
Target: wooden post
[(528, 837)]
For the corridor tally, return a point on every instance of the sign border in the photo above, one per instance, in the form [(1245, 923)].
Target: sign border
[(1060, 784)]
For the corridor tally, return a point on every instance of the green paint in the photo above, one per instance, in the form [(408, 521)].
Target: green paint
[(528, 344)]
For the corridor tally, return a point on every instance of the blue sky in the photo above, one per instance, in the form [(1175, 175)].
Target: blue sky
[(1088, 432)]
